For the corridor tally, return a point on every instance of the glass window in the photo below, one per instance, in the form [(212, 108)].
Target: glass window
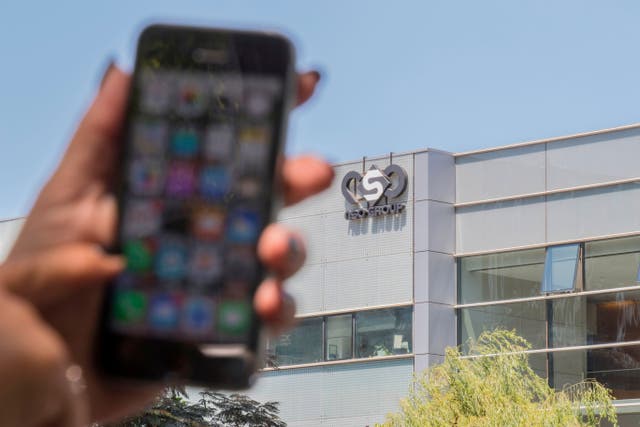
[(528, 319), (561, 268), (383, 332), (612, 263), (302, 344), (501, 276), (339, 337)]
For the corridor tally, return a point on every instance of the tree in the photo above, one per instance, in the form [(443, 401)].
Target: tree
[(497, 387), (213, 409)]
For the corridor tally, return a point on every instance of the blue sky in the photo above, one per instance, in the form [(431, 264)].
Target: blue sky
[(397, 76)]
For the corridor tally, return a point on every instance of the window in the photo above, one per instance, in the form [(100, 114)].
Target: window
[(339, 337), (612, 263), (562, 269), (303, 344), (501, 276), (383, 332)]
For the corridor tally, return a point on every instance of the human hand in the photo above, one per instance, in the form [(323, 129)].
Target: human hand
[(76, 207)]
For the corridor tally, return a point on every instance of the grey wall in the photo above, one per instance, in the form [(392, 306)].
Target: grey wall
[(558, 165), (9, 230)]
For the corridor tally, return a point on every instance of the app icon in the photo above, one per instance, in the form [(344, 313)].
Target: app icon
[(247, 187), (157, 91), (150, 138), (198, 316), (192, 99), (218, 143), (214, 182), (241, 262), (208, 223), (243, 226), (181, 179), (142, 217), (164, 313), (171, 259), (205, 265), (258, 102), (184, 143), (139, 255), (234, 317), (252, 156), (146, 177), (129, 306)]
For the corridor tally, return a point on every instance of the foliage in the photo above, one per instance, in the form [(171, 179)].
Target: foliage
[(497, 387), (213, 409)]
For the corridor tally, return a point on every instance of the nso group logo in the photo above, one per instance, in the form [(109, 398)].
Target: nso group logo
[(367, 190)]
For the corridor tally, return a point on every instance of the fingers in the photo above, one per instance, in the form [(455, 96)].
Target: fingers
[(51, 275), (306, 85), (93, 150), (304, 176), (281, 250), (275, 307)]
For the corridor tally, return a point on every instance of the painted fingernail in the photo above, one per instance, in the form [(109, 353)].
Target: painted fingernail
[(295, 251), (107, 71)]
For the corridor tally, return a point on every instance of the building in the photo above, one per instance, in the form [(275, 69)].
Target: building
[(411, 253)]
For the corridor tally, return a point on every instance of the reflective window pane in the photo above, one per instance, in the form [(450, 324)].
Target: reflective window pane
[(528, 319), (560, 268), (302, 344), (339, 337), (383, 332), (612, 263), (501, 276)]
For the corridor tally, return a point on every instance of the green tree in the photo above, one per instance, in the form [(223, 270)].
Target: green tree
[(213, 409), (497, 387)]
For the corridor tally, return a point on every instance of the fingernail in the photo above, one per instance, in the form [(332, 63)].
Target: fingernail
[(295, 250), (107, 70), (316, 74)]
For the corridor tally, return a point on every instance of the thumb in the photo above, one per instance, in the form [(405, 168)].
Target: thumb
[(51, 275)]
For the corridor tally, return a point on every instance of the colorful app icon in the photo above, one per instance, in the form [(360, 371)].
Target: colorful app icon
[(129, 306), (243, 226), (164, 311), (226, 94), (139, 255), (184, 143), (192, 97), (214, 182), (142, 217), (171, 259), (181, 179), (252, 155), (218, 143), (205, 264), (198, 316), (146, 177), (208, 223), (150, 138), (234, 317), (156, 92), (258, 102), (247, 187)]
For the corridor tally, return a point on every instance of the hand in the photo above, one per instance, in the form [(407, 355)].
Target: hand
[(76, 207), (34, 365)]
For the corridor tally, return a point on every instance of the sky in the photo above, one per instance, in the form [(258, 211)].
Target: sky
[(396, 76)]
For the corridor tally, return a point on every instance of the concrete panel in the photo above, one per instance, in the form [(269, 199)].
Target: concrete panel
[(421, 276), (306, 287), (9, 231), (312, 230), (367, 282), (442, 177), (421, 328), (593, 159), (442, 327), (424, 361), (591, 213), (501, 225), (442, 278), (421, 225), (344, 395), (421, 175), (441, 227), (500, 173)]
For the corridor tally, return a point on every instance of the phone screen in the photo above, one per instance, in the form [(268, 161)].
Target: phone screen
[(199, 151)]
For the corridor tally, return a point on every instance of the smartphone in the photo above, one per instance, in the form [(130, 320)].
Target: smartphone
[(204, 130)]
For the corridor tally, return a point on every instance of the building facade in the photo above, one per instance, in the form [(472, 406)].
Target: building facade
[(411, 253)]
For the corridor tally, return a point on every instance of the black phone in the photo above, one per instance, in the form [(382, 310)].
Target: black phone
[(204, 130)]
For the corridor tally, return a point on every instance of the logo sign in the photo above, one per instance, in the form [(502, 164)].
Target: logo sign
[(366, 191)]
